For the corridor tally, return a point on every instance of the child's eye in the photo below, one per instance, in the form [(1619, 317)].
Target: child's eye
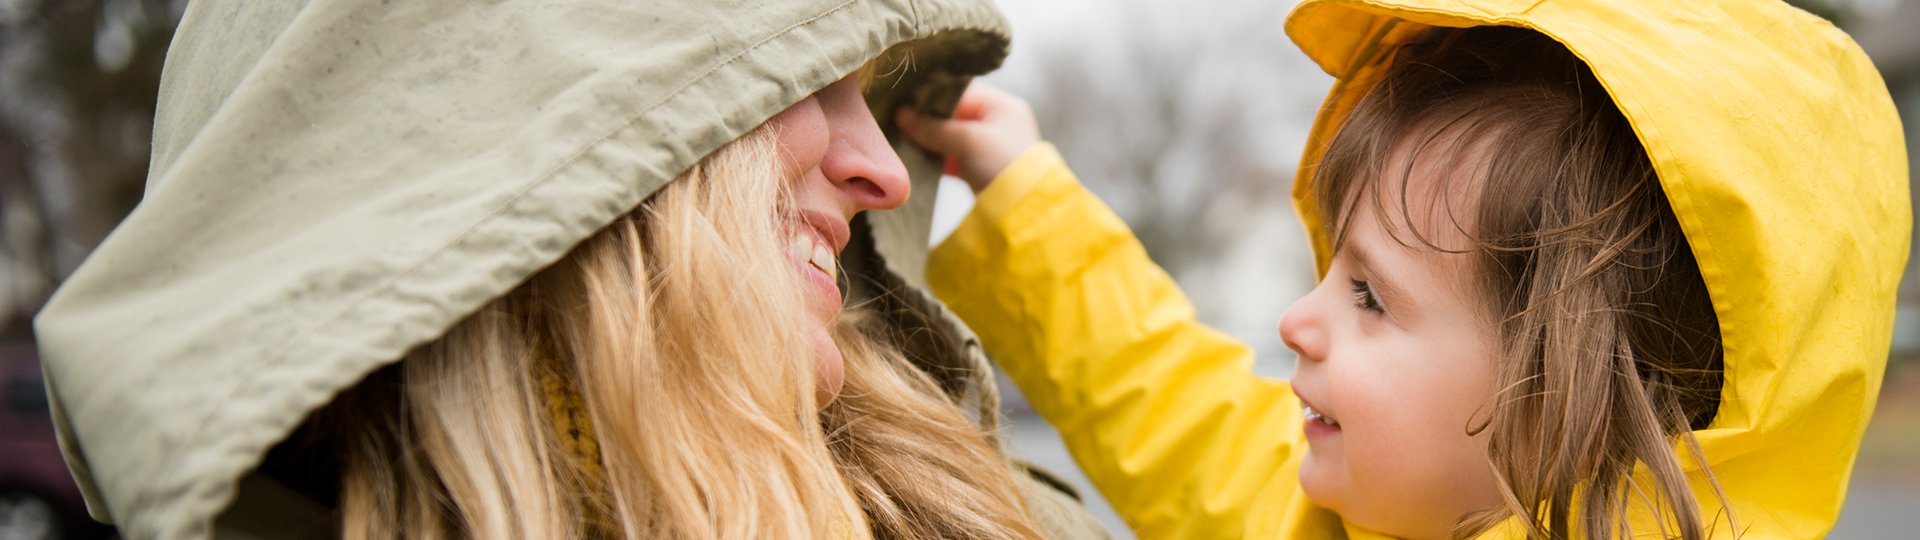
[(1364, 298)]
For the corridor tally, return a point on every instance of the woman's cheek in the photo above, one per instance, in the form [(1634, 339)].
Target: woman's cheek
[(829, 368), (803, 132)]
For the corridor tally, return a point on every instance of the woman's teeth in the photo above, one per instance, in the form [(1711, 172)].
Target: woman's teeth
[(1315, 416), (823, 259), (803, 247)]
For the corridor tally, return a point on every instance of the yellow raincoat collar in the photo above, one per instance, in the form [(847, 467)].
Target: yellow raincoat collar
[(1778, 146)]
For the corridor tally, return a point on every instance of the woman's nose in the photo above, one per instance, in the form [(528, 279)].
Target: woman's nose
[(859, 161), (1301, 329)]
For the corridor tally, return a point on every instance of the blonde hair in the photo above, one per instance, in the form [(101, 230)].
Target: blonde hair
[(1610, 348), (681, 329)]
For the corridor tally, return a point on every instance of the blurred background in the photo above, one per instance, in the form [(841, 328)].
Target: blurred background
[(1187, 117)]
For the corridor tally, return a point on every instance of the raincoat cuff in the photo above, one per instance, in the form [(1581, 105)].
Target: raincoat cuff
[(1035, 200), (1013, 184)]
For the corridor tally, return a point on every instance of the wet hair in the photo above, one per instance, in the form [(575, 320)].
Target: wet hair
[(1610, 349)]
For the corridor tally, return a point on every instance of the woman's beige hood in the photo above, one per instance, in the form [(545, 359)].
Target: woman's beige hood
[(337, 181)]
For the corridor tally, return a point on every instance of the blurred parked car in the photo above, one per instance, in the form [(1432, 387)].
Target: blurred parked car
[(38, 499)]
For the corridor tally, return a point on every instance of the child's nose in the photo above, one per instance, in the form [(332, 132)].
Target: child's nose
[(1300, 330)]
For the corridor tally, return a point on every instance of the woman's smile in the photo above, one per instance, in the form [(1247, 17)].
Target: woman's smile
[(814, 252), (818, 237)]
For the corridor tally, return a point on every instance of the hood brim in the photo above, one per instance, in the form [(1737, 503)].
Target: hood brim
[(1782, 156)]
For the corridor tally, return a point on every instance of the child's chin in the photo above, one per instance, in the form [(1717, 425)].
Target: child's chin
[(1323, 478)]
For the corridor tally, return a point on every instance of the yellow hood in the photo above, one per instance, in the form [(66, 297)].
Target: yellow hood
[(1779, 148)]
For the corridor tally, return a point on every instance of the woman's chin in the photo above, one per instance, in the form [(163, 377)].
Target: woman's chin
[(829, 369)]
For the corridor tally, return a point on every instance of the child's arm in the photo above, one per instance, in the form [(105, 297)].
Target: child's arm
[(1161, 411)]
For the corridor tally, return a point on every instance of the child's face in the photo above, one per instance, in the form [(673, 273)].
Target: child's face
[(1397, 355)]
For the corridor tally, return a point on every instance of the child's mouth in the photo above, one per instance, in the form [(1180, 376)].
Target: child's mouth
[(1315, 416)]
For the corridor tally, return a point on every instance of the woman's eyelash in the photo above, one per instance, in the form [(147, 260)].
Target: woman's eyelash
[(1364, 298)]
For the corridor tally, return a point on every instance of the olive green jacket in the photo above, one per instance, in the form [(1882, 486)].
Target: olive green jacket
[(334, 182)]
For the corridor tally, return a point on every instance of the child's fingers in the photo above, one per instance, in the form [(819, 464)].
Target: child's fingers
[(974, 103), (988, 130), (939, 135), (981, 101)]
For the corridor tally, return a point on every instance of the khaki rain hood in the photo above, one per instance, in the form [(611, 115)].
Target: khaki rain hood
[(335, 182)]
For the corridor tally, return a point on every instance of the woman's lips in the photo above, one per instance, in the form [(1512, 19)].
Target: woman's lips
[(816, 262), (806, 248), (818, 238), (830, 229)]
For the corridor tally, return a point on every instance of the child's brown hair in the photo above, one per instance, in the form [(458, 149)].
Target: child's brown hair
[(1610, 346)]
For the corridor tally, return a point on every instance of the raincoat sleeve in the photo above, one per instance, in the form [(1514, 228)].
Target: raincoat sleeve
[(1161, 411)]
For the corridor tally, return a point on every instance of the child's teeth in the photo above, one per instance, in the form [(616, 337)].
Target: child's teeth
[(1315, 416), (823, 259)]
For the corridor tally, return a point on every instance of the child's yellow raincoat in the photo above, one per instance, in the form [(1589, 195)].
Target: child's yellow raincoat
[(1774, 138)]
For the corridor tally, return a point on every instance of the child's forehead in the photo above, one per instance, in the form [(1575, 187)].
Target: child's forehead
[(1415, 221), (1443, 269), (1428, 190)]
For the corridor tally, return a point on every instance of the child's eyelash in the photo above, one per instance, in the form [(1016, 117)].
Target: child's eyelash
[(1363, 297)]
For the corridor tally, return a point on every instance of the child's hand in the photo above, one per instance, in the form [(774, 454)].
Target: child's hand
[(989, 129)]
